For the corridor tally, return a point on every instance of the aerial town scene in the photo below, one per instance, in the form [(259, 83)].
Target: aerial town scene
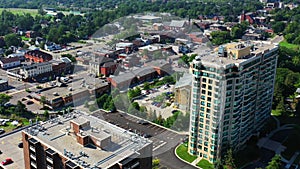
[(150, 84)]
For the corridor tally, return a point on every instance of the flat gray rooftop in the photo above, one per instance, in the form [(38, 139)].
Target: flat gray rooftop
[(55, 136), (76, 85), (210, 56)]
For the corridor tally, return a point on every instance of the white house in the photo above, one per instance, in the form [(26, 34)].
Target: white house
[(6, 63)]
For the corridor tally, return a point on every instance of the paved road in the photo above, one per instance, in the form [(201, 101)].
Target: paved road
[(164, 141)]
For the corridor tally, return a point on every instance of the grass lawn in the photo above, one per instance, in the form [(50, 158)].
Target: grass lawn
[(276, 112), (9, 127), (25, 38), (289, 45), (21, 11), (205, 164), (182, 152)]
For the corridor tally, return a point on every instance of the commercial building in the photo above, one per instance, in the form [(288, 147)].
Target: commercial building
[(36, 69), (74, 92), (183, 92), (6, 63), (3, 84), (37, 56), (80, 141), (231, 99), (101, 65)]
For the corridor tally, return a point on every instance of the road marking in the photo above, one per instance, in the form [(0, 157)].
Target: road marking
[(152, 127), (159, 146), (160, 130)]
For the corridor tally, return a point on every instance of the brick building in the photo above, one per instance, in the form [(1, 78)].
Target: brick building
[(37, 56), (102, 65)]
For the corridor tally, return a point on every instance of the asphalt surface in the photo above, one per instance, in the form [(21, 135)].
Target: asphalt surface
[(10, 149), (164, 141)]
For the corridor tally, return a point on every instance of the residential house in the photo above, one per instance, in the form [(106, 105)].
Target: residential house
[(127, 46), (177, 25), (37, 56), (52, 47), (217, 27), (158, 26), (6, 63), (21, 56), (101, 65), (31, 34), (198, 37)]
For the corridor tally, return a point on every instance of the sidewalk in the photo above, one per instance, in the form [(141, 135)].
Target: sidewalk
[(289, 164), (195, 162)]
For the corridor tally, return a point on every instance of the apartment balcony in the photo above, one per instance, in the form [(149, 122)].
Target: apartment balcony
[(32, 148), (33, 157)]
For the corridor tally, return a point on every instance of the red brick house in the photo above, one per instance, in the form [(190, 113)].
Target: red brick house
[(247, 17), (37, 56), (102, 65)]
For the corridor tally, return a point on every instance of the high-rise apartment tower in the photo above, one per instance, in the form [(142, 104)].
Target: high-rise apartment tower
[(231, 96)]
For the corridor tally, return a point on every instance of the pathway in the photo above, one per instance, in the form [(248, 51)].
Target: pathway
[(289, 164), (196, 161)]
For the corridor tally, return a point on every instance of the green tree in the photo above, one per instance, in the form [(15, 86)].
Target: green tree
[(43, 100), (102, 100), (281, 106), (4, 98), (155, 163), (20, 108), (46, 113), (278, 27), (275, 162), (12, 40), (220, 37), (146, 86), (229, 160)]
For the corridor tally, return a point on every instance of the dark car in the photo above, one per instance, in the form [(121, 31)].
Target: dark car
[(2, 131), (147, 135), (30, 102), (143, 122), (20, 145)]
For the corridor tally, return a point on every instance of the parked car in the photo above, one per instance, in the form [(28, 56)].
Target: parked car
[(29, 102), (7, 161), (20, 145), (2, 131), (143, 122), (147, 135)]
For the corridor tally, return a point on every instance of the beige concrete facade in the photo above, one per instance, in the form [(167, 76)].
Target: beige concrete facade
[(231, 98)]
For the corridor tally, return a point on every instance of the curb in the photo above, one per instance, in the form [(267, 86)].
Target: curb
[(184, 160)]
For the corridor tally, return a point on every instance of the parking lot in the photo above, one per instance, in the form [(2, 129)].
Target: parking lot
[(10, 149), (151, 105), (164, 141)]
